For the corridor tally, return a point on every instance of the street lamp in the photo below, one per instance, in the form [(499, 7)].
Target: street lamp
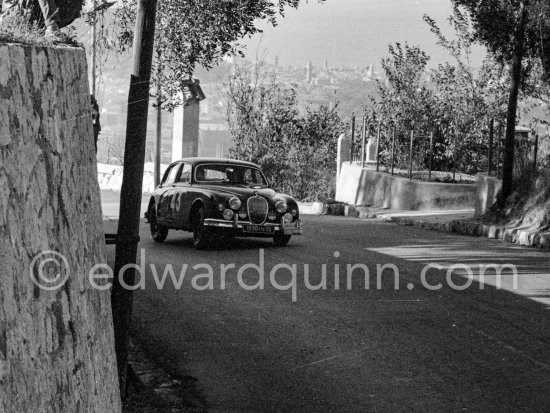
[(192, 91)]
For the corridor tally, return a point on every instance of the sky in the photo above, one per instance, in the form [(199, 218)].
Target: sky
[(352, 32)]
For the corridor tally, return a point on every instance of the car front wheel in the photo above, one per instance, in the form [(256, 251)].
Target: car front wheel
[(201, 234), (158, 232), (281, 239)]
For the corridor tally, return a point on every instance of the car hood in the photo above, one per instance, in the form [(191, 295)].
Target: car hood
[(243, 191)]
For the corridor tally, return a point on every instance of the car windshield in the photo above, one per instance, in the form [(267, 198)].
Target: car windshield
[(229, 174)]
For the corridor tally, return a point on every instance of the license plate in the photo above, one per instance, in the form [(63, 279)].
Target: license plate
[(258, 229)]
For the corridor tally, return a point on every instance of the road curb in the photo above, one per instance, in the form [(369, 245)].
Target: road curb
[(338, 209), (519, 236), (524, 237), (320, 208)]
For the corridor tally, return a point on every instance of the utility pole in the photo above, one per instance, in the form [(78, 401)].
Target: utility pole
[(132, 180), (158, 143), (158, 140)]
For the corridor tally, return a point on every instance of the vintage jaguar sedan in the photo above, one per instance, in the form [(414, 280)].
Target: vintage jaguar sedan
[(220, 198)]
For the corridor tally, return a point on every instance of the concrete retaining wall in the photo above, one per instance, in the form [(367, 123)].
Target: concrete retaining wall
[(110, 177), (358, 186), (488, 188)]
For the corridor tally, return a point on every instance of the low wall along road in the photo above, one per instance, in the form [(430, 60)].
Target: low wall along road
[(362, 186)]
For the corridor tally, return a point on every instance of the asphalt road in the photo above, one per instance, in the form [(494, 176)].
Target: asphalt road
[(357, 349)]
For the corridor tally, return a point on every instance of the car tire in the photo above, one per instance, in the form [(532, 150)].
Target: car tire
[(201, 234), (280, 239), (158, 232)]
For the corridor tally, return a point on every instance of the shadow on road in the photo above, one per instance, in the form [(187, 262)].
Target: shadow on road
[(369, 347)]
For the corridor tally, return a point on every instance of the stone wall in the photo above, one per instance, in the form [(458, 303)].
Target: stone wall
[(363, 186), (56, 344)]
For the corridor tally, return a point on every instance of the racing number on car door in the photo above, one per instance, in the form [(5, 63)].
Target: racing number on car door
[(166, 204), (182, 201)]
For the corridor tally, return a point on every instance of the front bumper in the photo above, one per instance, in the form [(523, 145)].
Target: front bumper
[(293, 228)]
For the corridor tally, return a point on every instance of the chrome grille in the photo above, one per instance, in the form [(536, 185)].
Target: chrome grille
[(257, 209)]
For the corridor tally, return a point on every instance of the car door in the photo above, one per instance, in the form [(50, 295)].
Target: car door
[(181, 196), (165, 207)]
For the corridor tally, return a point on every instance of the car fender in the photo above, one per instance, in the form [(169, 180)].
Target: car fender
[(290, 201), (204, 200)]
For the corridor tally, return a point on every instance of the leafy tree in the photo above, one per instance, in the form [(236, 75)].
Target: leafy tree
[(296, 151), (466, 99), (405, 100), (455, 99), (496, 24), (198, 32), (514, 31)]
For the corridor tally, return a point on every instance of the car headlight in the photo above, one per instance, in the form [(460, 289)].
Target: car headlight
[(281, 206), (294, 212), (243, 214), (272, 216), (288, 218), (235, 203), (228, 214)]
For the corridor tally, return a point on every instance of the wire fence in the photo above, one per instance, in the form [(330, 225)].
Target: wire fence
[(435, 156)]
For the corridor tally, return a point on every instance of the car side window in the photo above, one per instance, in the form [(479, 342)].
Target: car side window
[(171, 174), (185, 176), (165, 175)]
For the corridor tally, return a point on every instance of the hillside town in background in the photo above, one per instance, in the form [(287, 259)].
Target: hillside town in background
[(347, 87)]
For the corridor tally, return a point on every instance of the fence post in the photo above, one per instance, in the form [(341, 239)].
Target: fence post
[(378, 146), (499, 149), (411, 153), (536, 154), (393, 149), (430, 165), (364, 137), (342, 152), (352, 139), (491, 138), (454, 153)]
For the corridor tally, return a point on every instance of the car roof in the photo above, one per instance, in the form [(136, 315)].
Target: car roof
[(200, 160)]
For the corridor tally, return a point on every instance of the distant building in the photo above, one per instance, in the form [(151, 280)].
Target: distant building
[(309, 70)]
